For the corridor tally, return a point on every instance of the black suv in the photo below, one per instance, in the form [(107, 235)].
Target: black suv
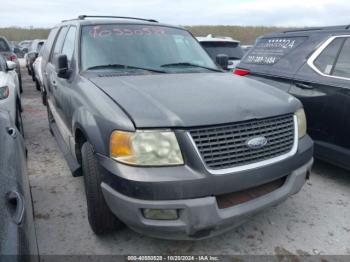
[(167, 142), (313, 65)]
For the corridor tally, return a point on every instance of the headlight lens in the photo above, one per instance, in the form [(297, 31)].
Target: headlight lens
[(4, 92), (146, 148), (301, 118)]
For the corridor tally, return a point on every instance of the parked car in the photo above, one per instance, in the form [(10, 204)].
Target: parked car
[(223, 46), (32, 54), (10, 99), (246, 48), (8, 53), (17, 232), (168, 143), (24, 46), (15, 48), (37, 71), (314, 66)]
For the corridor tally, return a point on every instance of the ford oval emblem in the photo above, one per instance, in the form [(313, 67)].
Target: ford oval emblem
[(257, 142)]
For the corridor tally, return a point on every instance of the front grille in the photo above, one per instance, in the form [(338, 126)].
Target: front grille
[(226, 146)]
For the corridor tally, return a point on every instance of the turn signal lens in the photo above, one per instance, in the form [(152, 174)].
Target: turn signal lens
[(120, 144), (302, 126)]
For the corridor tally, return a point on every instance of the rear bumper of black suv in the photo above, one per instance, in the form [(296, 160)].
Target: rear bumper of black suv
[(195, 195)]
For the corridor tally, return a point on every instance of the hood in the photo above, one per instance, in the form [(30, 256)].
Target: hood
[(194, 99)]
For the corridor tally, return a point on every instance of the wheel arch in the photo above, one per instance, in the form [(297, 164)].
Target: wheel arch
[(86, 129)]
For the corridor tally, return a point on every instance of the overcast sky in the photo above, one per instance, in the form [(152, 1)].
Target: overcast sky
[(46, 13)]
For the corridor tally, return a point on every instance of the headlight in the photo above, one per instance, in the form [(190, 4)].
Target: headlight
[(301, 118), (4, 92), (145, 148)]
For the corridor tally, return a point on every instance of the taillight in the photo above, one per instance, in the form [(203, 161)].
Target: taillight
[(12, 58), (241, 72)]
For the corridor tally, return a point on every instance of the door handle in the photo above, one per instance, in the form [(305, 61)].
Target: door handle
[(304, 86), (15, 203)]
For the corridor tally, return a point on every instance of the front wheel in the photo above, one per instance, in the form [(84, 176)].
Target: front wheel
[(19, 122), (44, 97), (37, 84), (50, 118), (100, 217), (20, 83)]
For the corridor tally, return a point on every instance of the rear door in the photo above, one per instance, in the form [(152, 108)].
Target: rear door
[(17, 232), (64, 93), (322, 85), (51, 73), (46, 51)]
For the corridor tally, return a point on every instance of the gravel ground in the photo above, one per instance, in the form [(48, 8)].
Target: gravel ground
[(315, 221)]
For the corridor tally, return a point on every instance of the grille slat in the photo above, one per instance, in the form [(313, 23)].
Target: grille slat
[(245, 132), (226, 146), (243, 151)]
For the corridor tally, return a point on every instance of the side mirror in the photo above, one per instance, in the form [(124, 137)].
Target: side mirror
[(222, 60), (61, 65), (11, 65)]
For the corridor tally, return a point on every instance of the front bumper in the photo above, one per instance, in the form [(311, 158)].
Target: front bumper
[(198, 217)]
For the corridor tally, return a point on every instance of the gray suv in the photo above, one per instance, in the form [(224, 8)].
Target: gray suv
[(168, 143)]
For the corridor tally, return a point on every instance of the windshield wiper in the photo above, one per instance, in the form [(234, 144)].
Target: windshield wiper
[(121, 66), (179, 64)]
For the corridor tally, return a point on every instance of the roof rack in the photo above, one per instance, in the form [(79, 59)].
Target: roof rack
[(306, 29), (303, 29), (82, 17)]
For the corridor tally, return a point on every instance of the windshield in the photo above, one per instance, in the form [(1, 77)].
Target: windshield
[(4, 46), (163, 49), (231, 49)]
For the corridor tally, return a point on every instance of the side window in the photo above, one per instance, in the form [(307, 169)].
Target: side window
[(342, 66), (325, 61), (69, 43), (59, 41), (48, 44)]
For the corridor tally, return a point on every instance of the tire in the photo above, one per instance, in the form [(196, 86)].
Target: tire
[(37, 84), (50, 119), (44, 97), (19, 122), (20, 83), (101, 219)]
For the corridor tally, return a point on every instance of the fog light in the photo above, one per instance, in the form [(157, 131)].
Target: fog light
[(160, 214)]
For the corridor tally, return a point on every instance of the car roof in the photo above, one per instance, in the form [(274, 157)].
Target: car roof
[(334, 30), (211, 38), (2, 37)]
